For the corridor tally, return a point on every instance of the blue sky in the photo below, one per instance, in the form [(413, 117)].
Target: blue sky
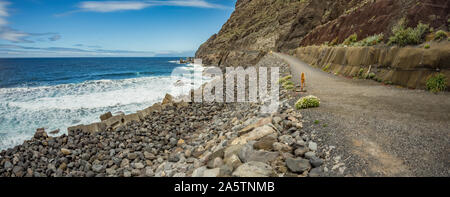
[(137, 28)]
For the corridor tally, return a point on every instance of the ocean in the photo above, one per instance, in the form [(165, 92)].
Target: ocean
[(55, 93)]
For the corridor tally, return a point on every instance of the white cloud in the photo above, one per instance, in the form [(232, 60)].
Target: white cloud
[(13, 35), (187, 3), (3, 13), (16, 36), (114, 6), (111, 6)]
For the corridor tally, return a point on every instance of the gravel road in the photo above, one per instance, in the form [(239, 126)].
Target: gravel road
[(377, 130)]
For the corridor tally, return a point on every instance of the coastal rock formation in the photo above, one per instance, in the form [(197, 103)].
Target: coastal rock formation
[(372, 17), (257, 27)]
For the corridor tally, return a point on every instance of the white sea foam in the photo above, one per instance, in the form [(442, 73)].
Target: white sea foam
[(22, 110)]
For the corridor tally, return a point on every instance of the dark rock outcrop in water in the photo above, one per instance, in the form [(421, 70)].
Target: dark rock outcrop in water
[(259, 26)]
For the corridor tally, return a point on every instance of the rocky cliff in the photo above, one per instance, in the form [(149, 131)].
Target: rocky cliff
[(258, 26)]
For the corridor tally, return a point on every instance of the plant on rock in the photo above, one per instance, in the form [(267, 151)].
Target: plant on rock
[(437, 83), (403, 36), (351, 40), (307, 102), (440, 35)]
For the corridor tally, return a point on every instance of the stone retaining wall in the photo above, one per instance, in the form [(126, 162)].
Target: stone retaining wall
[(409, 66)]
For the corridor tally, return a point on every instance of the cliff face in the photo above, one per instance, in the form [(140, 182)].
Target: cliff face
[(374, 17), (259, 26), (253, 29)]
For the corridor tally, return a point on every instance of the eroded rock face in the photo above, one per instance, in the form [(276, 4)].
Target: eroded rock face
[(256, 27), (374, 17)]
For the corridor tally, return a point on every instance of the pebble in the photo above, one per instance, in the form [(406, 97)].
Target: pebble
[(316, 162), (309, 155)]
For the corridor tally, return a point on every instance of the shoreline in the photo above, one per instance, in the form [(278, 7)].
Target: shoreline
[(176, 139), (62, 104)]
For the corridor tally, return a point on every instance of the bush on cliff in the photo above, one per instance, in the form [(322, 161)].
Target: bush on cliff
[(371, 40), (351, 40), (403, 36), (440, 35), (437, 83), (307, 102)]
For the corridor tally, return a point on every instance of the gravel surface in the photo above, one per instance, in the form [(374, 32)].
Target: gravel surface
[(375, 130)]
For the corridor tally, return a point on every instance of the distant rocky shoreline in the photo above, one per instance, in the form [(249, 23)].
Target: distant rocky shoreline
[(177, 139)]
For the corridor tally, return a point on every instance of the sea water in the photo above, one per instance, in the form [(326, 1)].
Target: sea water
[(55, 93)]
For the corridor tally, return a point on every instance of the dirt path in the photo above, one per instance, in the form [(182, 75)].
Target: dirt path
[(379, 130)]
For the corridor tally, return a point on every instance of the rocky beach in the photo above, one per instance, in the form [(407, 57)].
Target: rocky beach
[(178, 139), (376, 101)]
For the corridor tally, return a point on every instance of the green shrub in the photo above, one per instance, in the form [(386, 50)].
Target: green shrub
[(334, 42), (288, 83), (371, 40), (437, 83), (289, 87), (388, 82), (440, 35), (284, 79), (360, 73), (351, 40), (307, 102), (408, 36), (427, 46), (372, 75), (326, 67)]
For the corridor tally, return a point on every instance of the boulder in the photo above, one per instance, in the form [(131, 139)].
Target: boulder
[(298, 165), (130, 118), (265, 143), (254, 169), (105, 116), (248, 154), (256, 134), (167, 99), (232, 150), (114, 121), (66, 151), (199, 171), (233, 161), (211, 172), (259, 123), (40, 133), (95, 127)]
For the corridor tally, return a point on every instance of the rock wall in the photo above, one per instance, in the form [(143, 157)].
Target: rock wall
[(372, 17), (258, 26), (409, 66)]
